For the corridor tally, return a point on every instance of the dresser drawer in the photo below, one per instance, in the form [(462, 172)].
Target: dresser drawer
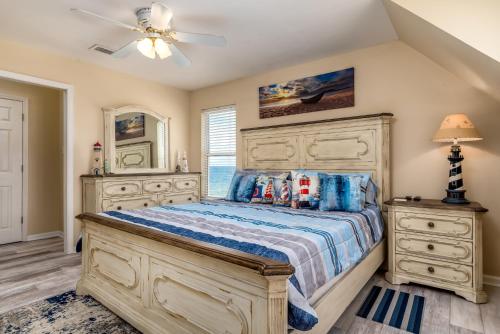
[(157, 186), (452, 226), (128, 203), (434, 247), (436, 271), (176, 199), (185, 184), (121, 188)]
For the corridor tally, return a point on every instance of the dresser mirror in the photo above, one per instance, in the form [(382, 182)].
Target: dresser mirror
[(136, 140)]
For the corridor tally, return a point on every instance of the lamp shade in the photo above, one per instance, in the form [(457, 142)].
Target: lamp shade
[(455, 128)]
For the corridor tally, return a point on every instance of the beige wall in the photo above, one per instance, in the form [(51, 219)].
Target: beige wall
[(45, 182), (444, 47), (96, 87), (474, 22), (392, 78)]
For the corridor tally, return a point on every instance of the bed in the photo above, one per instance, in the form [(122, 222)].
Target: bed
[(224, 267)]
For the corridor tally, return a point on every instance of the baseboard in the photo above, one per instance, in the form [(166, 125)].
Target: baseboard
[(47, 235), (491, 280)]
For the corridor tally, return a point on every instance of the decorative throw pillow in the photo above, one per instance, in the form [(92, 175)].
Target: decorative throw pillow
[(264, 190), (368, 187), (371, 192), (282, 192), (305, 189), (235, 182), (245, 188), (341, 192)]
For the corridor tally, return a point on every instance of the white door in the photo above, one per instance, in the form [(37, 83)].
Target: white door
[(11, 176)]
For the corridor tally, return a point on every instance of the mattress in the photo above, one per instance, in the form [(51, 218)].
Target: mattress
[(320, 245)]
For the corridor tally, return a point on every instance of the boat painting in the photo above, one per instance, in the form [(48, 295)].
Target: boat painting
[(326, 91), (129, 126)]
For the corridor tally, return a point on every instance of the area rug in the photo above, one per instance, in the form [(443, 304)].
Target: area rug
[(65, 313), (397, 309)]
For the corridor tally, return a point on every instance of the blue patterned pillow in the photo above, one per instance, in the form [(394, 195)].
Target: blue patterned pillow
[(282, 192), (371, 192), (245, 188), (305, 189), (368, 187), (235, 182), (341, 192)]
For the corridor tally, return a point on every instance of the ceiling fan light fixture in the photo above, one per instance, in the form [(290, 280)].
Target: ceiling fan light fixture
[(162, 48), (145, 46)]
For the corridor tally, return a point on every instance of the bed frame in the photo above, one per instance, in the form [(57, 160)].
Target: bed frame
[(162, 283)]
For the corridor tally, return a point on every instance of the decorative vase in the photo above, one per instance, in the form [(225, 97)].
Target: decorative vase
[(178, 163), (185, 167)]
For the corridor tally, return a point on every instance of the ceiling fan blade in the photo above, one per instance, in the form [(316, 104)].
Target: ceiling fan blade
[(179, 57), (107, 19), (188, 37), (125, 50), (161, 16)]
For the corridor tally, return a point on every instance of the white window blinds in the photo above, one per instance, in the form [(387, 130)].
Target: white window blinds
[(218, 150)]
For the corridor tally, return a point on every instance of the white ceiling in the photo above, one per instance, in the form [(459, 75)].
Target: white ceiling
[(261, 34)]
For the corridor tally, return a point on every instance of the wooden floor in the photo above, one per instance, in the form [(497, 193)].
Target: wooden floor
[(35, 270), (444, 312)]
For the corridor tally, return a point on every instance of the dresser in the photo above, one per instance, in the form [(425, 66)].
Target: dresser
[(133, 191), (437, 244)]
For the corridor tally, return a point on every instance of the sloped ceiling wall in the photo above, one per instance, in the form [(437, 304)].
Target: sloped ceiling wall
[(443, 31)]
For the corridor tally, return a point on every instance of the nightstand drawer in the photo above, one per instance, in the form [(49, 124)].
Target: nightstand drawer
[(436, 271), (451, 226), (434, 247)]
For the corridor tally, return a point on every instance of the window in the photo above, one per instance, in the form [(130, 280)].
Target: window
[(218, 150)]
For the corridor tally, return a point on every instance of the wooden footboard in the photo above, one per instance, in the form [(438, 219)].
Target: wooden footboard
[(161, 288), (161, 283)]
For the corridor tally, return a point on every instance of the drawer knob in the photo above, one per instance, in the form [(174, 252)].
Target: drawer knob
[(186, 184), (430, 269), (124, 188), (158, 186), (171, 201), (119, 207), (430, 224), (189, 198), (145, 204), (430, 247)]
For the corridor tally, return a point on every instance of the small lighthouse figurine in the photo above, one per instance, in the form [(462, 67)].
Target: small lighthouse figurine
[(184, 167), (96, 160)]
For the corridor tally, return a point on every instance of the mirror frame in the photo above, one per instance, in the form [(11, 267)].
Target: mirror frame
[(110, 114)]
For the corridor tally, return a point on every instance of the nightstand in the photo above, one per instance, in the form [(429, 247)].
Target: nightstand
[(437, 244)]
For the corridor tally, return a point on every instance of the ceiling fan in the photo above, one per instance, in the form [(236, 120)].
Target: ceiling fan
[(159, 37)]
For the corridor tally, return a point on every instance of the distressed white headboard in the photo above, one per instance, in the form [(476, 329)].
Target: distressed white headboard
[(351, 144)]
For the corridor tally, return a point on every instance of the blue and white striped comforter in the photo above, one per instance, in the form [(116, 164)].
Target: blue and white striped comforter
[(320, 245)]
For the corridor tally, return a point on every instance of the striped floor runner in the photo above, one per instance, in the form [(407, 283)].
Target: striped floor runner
[(397, 309)]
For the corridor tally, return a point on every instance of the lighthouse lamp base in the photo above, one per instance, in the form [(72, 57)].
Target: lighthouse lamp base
[(455, 197)]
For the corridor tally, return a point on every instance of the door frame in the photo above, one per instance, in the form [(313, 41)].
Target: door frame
[(24, 190), (68, 148)]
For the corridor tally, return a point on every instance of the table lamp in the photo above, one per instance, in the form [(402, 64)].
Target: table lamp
[(456, 128)]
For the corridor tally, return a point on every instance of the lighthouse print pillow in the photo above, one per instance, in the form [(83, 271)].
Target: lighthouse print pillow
[(305, 189), (282, 192), (264, 190)]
